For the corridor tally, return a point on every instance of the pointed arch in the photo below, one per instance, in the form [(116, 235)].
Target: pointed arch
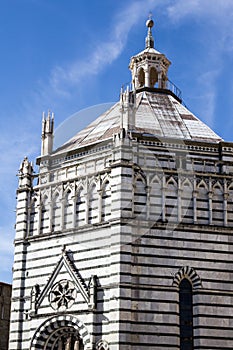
[(186, 182), (202, 203), (45, 215), (56, 211), (106, 201), (140, 176), (68, 209), (141, 77), (190, 274), (202, 184), (68, 187), (56, 191), (156, 199), (34, 216), (46, 335), (218, 185), (153, 77), (172, 181), (187, 202), (80, 206), (218, 204), (171, 201), (93, 204), (139, 197)]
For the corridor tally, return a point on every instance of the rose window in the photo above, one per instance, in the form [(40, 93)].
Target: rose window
[(62, 295)]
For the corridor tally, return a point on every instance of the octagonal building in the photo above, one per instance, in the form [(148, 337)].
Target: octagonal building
[(123, 238)]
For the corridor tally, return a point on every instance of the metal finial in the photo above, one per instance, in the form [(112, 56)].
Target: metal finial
[(149, 38), (150, 22)]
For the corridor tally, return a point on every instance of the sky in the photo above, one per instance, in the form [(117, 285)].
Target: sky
[(67, 56)]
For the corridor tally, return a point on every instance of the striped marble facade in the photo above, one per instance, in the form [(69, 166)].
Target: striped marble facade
[(139, 216)]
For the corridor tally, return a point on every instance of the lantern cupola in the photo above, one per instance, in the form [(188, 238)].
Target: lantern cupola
[(149, 67)]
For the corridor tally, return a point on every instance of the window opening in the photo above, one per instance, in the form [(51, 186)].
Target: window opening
[(186, 315)]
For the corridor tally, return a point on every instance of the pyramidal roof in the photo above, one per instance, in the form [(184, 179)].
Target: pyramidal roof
[(156, 110), (156, 114)]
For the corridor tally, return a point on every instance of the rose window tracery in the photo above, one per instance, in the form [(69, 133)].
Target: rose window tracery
[(62, 295)]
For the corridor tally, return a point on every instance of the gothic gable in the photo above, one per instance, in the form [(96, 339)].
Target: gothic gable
[(64, 292)]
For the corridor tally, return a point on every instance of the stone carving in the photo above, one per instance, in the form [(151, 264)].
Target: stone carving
[(62, 295)]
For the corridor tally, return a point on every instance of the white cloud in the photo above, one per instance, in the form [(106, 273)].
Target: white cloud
[(19, 141), (103, 53), (181, 9), (213, 22), (217, 15)]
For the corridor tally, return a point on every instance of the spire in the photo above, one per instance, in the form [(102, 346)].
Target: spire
[(47, 133), (149, 38)]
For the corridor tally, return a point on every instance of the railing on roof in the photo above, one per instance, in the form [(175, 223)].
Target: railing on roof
[(174, 89), (169, 86)]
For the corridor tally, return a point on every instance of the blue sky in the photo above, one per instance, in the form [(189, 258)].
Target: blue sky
[(69, 55)]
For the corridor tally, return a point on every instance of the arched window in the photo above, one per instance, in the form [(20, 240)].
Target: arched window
[(34, 217), (156, 200), (187, 203), (56, 213), (171, 205), (153, 77), (186, 315), (93, 205), (202, 204), (141, 78), (106, 202), (80, 208), (217, 205), (44, 224), (68, 210)]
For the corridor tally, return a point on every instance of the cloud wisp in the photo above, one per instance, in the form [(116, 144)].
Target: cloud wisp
[(104, 53), (62, 80), (179, 9), (214, 20)]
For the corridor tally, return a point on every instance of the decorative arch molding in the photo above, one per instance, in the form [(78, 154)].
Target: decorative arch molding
[(50, 326), (189, 273), (218, 185), (202, 184), (56, 194), (156, 179), (105, 182), (93, 182), (45, 197), (140, 176), (104, 179), (172, 181), (68, 188), (80, 187), (187, 183)]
